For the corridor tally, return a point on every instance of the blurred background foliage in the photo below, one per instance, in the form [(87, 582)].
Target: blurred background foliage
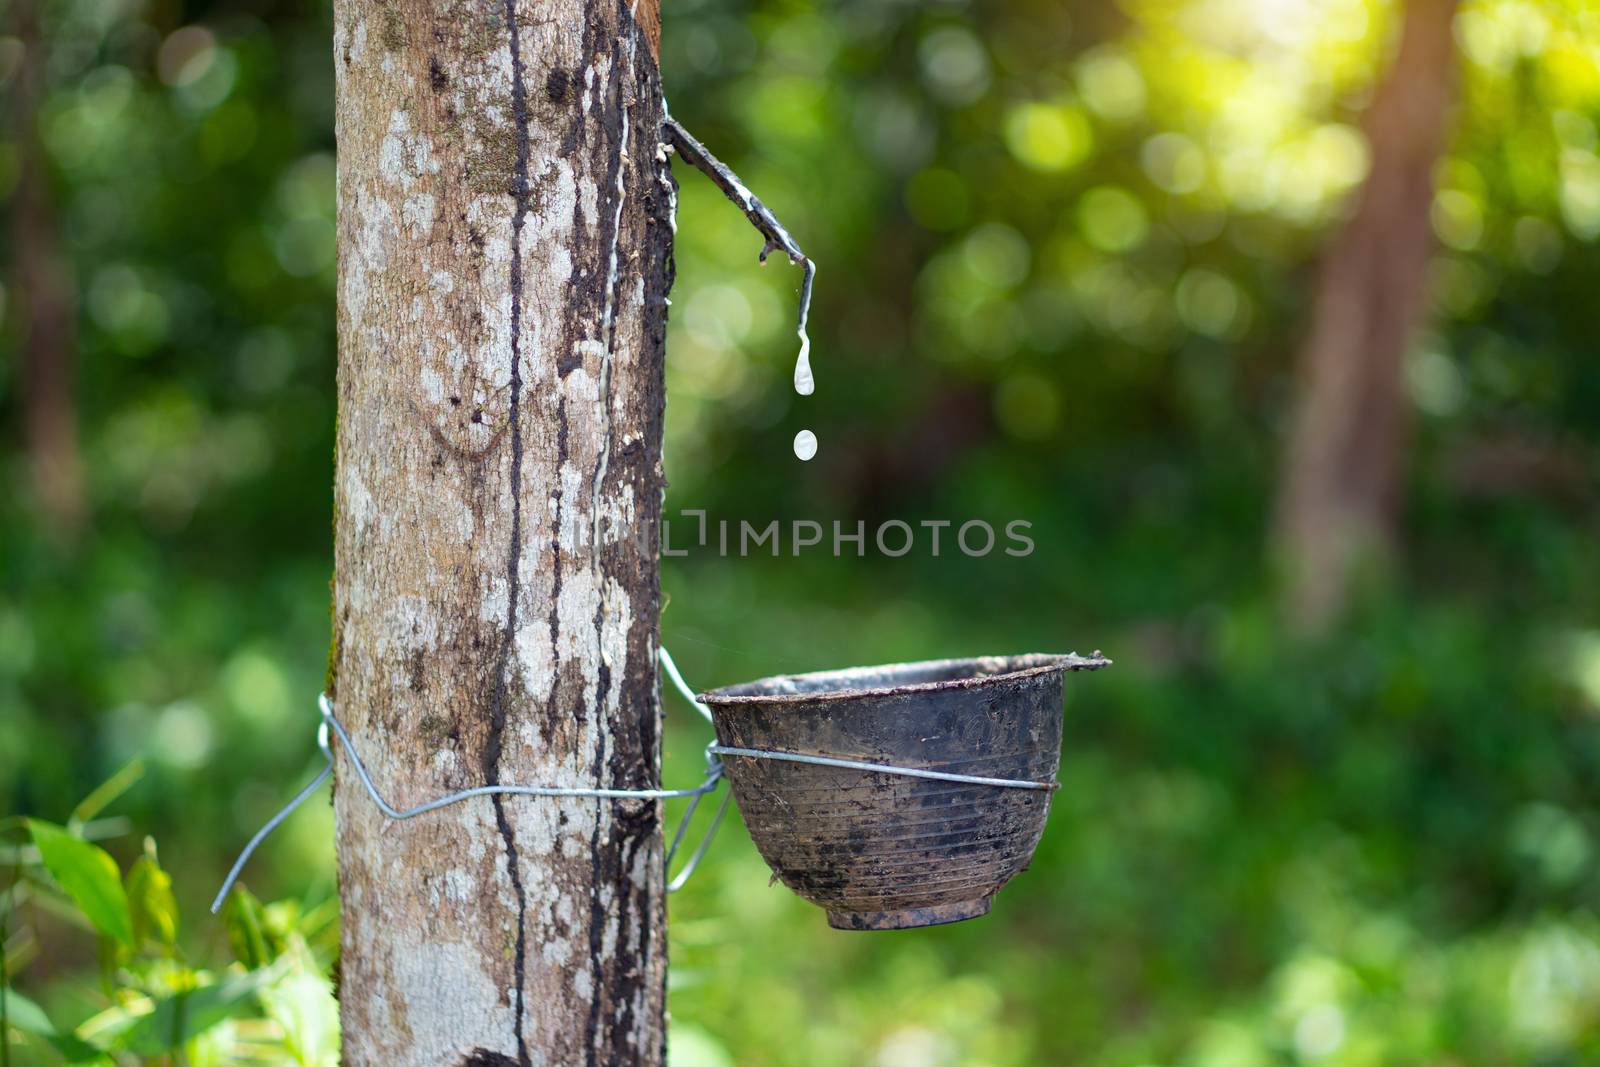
[(1068, 253)]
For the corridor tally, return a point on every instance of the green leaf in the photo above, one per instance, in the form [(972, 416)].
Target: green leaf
[(108, 791), (180, 1018), (242, 916), (153, 907), (302, 1003), (25, 1015), (79, 1051), (88, 875), (113, 954), (74, 1049)]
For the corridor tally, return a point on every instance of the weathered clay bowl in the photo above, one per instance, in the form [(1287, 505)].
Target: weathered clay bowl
[(886, 852)]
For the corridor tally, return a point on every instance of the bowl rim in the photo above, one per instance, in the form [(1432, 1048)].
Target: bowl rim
[(1003, 668)]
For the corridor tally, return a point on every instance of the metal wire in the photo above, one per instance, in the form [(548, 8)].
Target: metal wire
[(713, 776), (325, 706), (880, 768)]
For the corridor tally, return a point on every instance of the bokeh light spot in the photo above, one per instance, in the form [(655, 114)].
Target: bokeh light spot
[(182, 736), (996, 255), (186, 55), (1538, 244), (1112, 219), (1436, 386), (1208, 302), (1174, 162), (134, 316), (1048, 137), (1457, 219), (955, 66), (1580, 192), (1111, 85)]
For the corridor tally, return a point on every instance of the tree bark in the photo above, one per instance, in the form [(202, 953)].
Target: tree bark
[(1339, 490), (47, 296), (504, 259)]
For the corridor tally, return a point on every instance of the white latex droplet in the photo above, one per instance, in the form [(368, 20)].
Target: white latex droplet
[(805, 444), (804, 383)]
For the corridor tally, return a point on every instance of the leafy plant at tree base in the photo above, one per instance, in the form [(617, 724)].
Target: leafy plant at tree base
[(273, 1004)]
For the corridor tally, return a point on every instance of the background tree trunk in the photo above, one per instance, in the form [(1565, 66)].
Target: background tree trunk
[(504, 258), (1337, 500), (47, 296)]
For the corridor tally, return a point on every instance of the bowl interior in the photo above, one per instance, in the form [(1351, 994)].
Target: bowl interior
[(896, 677)]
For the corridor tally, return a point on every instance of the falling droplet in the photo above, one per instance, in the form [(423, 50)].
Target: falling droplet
[(804, 383), (805, 444)]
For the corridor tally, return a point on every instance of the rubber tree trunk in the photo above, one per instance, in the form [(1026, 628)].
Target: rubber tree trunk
[(1338, 497), (504, 258)]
